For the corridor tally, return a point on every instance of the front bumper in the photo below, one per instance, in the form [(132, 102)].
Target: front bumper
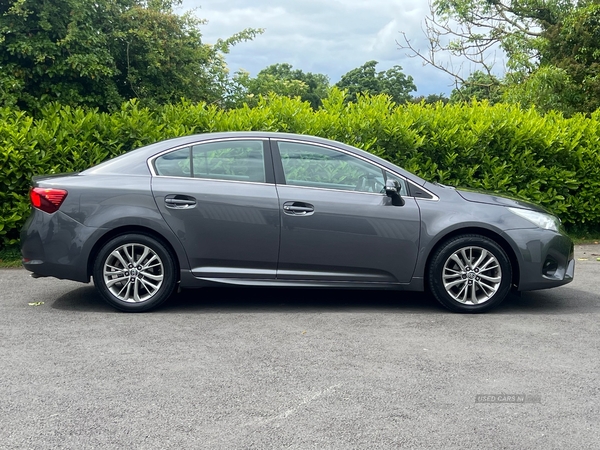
[(546, 258)]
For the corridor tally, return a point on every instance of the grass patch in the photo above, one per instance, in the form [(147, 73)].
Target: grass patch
[(585, 240), (10, 257), (584, 235)]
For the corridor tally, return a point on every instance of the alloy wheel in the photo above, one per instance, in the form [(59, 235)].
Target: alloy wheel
[(133, 273), (472, 275)]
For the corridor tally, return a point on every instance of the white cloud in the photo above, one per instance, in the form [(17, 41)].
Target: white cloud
[(324, 36)]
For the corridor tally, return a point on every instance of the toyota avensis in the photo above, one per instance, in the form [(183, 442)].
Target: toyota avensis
[(275, 209)]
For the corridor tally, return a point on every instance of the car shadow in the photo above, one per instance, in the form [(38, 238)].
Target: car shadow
[(82, 299), (235, 300), (87, 299), (299, 300), (563, 300)]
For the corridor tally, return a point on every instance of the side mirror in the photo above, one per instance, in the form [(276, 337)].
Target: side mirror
[(392, 190)]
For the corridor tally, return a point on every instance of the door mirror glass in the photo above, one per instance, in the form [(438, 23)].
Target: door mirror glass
[(392, 190), (392, 187), (399, 182)]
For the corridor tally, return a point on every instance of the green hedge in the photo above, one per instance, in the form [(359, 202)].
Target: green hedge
[(547, 159)]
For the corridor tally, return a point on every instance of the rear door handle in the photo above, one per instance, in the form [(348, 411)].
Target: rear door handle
[(298, 208), (178, 201)]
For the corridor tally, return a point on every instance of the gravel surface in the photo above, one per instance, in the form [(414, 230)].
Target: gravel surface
[(300, 369)]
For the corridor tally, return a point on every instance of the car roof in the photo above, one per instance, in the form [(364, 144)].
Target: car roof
[(135, 161)]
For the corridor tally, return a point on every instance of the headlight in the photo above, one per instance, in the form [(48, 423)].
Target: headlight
[(545, 221)]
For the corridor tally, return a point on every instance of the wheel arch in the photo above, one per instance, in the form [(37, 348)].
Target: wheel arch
[(501, 241), (131, 229)]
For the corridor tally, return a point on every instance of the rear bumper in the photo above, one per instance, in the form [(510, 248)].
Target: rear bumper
[(55, 245), (546, 258)]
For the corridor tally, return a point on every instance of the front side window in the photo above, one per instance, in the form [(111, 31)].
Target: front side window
[(224, 160), (314, 166)]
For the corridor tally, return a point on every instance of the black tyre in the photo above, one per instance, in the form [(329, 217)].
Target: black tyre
[(470, 274), (135, 272)]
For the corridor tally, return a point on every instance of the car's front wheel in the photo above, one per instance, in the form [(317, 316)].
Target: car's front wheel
[(134, 272), (470, 274)]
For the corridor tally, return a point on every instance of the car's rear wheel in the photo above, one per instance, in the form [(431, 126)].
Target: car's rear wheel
[(134, 272), (470, 274)]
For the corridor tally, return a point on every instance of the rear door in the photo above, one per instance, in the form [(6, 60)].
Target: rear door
[(337, 224), (220, 200)]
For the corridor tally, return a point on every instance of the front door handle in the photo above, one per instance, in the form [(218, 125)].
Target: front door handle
[(178, 201), (298, 208)]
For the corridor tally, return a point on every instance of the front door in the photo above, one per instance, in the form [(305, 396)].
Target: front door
[(337, 224)]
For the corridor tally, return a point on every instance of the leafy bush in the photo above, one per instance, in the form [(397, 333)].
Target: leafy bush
[(547, 159)]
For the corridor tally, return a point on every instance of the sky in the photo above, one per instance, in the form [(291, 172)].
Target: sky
[(323, 36)]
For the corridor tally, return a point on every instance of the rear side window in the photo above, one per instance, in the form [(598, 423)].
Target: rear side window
[(174, 164), (225, 160), (230, 160)]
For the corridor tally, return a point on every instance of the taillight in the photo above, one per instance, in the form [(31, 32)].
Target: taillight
[(47, 200)]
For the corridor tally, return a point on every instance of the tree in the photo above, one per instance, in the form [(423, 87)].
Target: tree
[(478, 86), (366, 80), (102, 53), (282, 79), (548, 88), (473, 29), (431, 99), (572, 52), (552, 48)]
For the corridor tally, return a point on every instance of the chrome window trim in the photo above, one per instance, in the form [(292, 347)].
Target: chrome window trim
[(367, 160), (379, 194), (217, 180), (150, 164)]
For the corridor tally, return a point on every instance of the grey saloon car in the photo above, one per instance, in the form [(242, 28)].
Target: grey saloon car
[(277, 209)]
